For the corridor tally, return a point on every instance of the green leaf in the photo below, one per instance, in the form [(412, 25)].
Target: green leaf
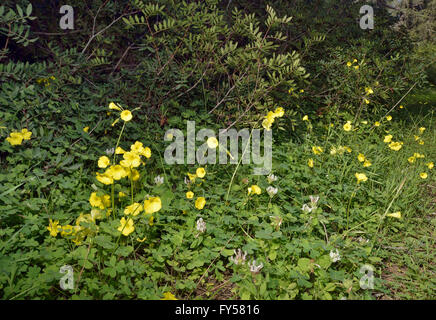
[(305, 264), (124, 251), (29, 9), (272, 255)]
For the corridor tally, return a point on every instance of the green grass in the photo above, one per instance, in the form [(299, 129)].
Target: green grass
[(42, 182)]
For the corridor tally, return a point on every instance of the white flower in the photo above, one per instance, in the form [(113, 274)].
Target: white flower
[(110, 151), (255, 268), (271, 178), (239, 257), (314, 200), (313, 204), (306, 208), (201, 226), (187, 181), (335, 256), (362, 240), (271, 191), (159, 180)]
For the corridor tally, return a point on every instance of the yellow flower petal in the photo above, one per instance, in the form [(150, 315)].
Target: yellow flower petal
[(200, 172), (126, 115), (361, 177), (200, 203), (169, 296), (113, 106), (103, 162), (395, 215), (152, 205)]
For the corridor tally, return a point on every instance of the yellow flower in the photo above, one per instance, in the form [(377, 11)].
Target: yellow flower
[(401, 107), (310, 163), (126, 115), (200, 202), (212, 142), (141, 240), (418, 155), (361, 157), (192, 177), (119, 150), (121, 194), (377, 124), (103, 162), (200, 172), (348, 149), (430, 165), (361, 177), (389, 118), (116, 172), (354, 60), (347, 126), (126, 226), (395, 145), (53, 227), (270, 116), (115, 122), (15, 138), (421, 130), (395, 215), (169, 296), (26, 134), (254, 189), (137, 147), (302, 90), (96, 214), (367, 163), (113, 106), (369, 91), (349, 64), (266, 124), (83, 218), (356, 67), (99, 202), (279, 112), (305, 118), (411, 159), (133, 174), (66, 230), (333, 151), (317, 150), (423, 175), (366, 101), (86, 129), (388, 138), (104, 178), (152, 205), (146, 153), (421, 142), (131, 159), (150, 220), (189, 194), (135, 209)]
